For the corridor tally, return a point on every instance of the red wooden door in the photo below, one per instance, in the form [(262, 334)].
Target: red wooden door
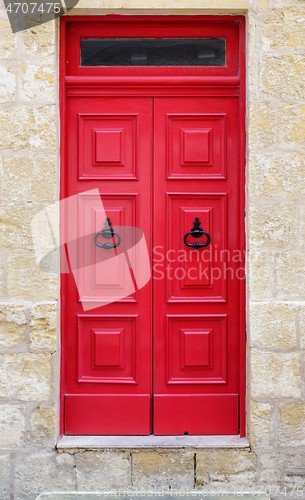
[(196, 329), (107, 349), (196, 290)]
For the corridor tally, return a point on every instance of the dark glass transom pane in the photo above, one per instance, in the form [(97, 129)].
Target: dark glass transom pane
[(153, 52)]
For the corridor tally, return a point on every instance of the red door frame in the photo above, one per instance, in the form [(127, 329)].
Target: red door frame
[(225, 81)]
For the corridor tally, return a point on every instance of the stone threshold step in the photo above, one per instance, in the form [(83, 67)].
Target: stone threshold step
[(135, 496)]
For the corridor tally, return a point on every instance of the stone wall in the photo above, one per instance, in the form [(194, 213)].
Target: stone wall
[(29, 334)]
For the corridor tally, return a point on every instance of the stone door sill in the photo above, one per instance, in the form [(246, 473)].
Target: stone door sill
[(106, 496), (96, 442)]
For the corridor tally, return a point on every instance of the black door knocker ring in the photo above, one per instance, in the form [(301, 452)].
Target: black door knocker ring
[(107, 232), (197, 232)]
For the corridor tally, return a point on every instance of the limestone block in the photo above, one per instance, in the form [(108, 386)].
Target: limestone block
[(12, 325), (43, 327), (40, 40), (15, 228), (292, 424), (277, 175), (43, 472), (8, 40), (167, 470), (43, 425), (26, 280), (37, 78), (275, 374), (273, 325), (291, 125), (271, 225), (290, 275), (301, 321), (25, 376), (260, 274), (285, 467), (261, 125), (282, 75), (224, 466), (2, 273), (260, 424), (283, 28), (12, 426), (102, 470), (7, 82), (210, 6), (28, 178), (23, 128), (5, 480)]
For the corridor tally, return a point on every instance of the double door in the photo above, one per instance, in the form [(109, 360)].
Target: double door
[(152, 327)]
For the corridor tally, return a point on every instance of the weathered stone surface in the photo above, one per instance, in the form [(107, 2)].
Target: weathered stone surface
[(25, 376), (269, 224), (301, 321), (220, 467), (276, 374), (43, 424), (291, 125), (26, 179), (283, 28), (277, 176), (168, 470), (43, 327), (26, 280), (15, 225), (12, 325), (39, 40), (262, 120), (285, 467), (261, 424), (96, 470), (12, 425), (34, 128), (43, 472), (2, 274), (5, 479), (37, 79), (292, 424), (290, 276), (261, 271), (282, 75), (273, 325), (7, 83), (8, 40)]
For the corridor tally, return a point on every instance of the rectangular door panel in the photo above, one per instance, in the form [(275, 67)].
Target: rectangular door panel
[(107, 349), (196, 414), (103, 274), (196, 349), (108, 146), (196, 145), (196, 276), (87, 414)]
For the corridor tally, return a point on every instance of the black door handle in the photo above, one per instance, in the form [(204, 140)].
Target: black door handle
[(107, 232), (197, 232)]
